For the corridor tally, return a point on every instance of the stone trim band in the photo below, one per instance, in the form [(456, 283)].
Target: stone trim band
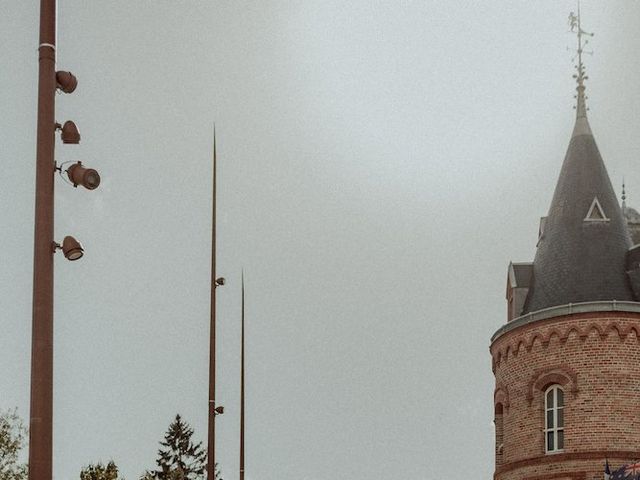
[(562, 310)]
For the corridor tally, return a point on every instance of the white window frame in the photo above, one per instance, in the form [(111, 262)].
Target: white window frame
[(595, 205), (555, 409)]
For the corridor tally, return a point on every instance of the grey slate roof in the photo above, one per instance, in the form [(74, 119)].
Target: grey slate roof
[(632, 215), (578, 260), (633, 223)]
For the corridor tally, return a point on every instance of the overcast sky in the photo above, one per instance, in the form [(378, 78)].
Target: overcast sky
[(380, 163)]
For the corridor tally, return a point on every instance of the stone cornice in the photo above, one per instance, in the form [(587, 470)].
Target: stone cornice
[(564, 310)]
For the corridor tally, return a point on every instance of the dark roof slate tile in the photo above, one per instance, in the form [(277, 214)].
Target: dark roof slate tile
[(580, 260)]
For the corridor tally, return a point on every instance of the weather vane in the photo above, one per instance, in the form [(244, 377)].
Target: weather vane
[(574, 24)]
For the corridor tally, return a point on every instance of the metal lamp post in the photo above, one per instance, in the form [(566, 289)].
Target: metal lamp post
[(41, 404), (41, 410), (213, 409)]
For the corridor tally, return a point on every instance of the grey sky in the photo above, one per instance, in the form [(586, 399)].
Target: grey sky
[(380, 164)]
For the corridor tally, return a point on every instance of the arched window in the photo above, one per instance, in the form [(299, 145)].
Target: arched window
[(554, 418)]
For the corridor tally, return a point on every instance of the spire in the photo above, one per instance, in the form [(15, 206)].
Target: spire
[(624, 198), (582, 125), (581, 255)]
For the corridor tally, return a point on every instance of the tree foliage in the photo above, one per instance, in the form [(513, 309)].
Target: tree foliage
[(100, 471), (12, 440), (179, 458)]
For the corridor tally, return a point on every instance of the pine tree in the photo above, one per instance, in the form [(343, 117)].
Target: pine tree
[(12, 440), (100, 472), (180, 458)]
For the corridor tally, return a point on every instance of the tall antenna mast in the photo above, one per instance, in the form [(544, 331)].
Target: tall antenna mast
[(215, 283), (242, 388)]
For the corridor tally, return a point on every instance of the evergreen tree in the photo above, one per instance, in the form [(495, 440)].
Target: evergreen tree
[(100, 472), (12, 440), (179, 458)]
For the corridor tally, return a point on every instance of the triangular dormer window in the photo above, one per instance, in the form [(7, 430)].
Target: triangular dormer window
[(596, 214)]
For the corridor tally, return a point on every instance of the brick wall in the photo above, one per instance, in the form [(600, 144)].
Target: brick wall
[(596, 358)]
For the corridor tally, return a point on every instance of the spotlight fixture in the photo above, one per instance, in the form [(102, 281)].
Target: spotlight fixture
[(219, 410), (87, 177), (220, 281), (66, 81), (70, 247), (69, 133)]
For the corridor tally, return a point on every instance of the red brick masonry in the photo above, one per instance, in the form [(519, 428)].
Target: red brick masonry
[(596, 358)]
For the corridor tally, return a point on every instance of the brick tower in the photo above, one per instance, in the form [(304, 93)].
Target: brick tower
[(567, 362)]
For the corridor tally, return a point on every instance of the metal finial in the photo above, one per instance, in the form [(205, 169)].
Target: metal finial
[(580, 76), (624, 197)]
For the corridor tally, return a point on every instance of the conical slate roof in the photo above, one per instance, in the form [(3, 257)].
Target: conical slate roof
[(582, 248)]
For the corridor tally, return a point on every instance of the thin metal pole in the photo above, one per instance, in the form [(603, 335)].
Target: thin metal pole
[(41, 406), (211, 448), (242, 389)]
